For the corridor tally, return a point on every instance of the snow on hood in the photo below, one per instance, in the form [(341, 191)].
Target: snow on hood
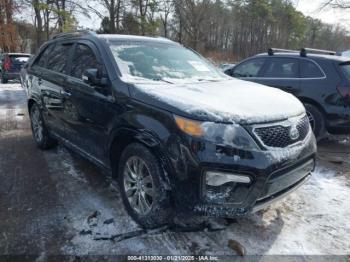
[(233, 100)]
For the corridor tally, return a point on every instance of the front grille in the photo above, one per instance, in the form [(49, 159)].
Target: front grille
[(280, 135)]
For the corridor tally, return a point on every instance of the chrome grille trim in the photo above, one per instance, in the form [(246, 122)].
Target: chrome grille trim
[(276, 135)]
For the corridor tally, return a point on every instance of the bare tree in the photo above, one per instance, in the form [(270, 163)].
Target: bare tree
[(114, 9), (339, 4), (166, 7)]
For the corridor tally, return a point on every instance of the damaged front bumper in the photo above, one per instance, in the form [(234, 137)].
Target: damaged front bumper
[(278, 185), (259, 177)]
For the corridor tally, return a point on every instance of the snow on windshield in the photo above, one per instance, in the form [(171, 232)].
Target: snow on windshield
[(162, 62)]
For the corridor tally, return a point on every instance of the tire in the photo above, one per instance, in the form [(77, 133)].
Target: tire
[(317, 121), (143, 194), (40, 133), (4, 80)]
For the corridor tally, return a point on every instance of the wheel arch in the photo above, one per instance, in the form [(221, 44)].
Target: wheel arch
[(123, 137), (30, 103), (306, 100)]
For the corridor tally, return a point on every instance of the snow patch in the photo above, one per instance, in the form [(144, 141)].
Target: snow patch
[(230, 100)]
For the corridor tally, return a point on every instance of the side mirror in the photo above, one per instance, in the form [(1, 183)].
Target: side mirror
[(93, 77)]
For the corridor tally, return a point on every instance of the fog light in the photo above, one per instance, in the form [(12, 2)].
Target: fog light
[(214, 178)]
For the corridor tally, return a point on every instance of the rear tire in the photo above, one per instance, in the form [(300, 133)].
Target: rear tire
[(4, 80), (143, 193), (41, 134), (317, 121)]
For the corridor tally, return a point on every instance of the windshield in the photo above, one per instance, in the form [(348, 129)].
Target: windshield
[(346, 70), (162, 62)]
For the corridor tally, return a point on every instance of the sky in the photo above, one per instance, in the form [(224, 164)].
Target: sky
[(327, 15)]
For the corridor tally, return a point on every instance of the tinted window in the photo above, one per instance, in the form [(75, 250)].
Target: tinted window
[(310, 70), (58, 58), (84, 58), (346, 70), (282, 68), (250, 68), (41, 61)]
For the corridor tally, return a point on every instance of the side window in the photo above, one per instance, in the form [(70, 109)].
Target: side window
[(249, 68), (84, 58), (282, 68), (310, 70), (43, 56), (59, 58)]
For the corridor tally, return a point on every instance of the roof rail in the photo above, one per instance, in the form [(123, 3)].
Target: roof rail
[(305, 51), (273, 50), (72, 34)]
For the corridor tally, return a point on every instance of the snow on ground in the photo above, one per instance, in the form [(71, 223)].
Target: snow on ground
[(311, 221), (91, 218)]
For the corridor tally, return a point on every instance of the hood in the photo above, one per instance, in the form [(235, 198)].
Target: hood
[(233, 100)]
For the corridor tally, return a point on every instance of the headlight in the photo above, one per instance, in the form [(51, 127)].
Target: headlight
[(225, 134)]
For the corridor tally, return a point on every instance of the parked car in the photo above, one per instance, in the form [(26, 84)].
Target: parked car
[(175, 132), (11, 65), (319, 78), (346, 53), (224, 67)]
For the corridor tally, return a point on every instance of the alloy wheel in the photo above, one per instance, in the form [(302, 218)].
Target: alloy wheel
[(311, 120), (138, 185)]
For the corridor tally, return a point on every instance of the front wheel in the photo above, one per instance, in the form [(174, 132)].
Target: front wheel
[(317, 121), (39, 130), (144, 196)]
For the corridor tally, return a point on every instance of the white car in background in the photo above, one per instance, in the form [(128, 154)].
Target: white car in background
[(346, 53)]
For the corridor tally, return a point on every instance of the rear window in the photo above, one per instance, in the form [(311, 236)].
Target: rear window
[(19, 59), (282, 68), (346, 69), (310, 70)]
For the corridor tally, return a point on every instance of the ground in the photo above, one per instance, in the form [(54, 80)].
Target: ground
[(55, 202)]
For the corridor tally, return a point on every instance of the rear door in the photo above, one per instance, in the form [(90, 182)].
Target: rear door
[(282, 73), (313, 80), (51, 74)]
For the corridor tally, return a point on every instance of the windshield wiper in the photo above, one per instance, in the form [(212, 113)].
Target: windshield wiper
[(208, 79), (163, 80)]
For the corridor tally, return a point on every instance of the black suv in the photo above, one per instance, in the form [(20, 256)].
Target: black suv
[(319, 78), (170, 128), (11, 65)]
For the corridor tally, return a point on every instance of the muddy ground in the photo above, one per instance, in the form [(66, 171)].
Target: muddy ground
[(55, 202)]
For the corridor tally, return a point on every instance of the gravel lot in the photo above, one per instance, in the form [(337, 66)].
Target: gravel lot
[(55, 202)]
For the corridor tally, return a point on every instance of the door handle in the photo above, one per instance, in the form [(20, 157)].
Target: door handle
[(65, 93)]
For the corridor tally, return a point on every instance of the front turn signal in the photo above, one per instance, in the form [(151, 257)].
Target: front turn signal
[(188, 126)]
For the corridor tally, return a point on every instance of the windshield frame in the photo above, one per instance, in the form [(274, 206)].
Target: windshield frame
[(129, 78)]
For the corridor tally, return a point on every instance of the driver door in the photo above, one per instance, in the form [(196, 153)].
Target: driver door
[(88, 108)]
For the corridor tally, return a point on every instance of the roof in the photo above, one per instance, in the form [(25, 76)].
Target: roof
[(18, 54), (310, 55), (112, 37), (117, 37)]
